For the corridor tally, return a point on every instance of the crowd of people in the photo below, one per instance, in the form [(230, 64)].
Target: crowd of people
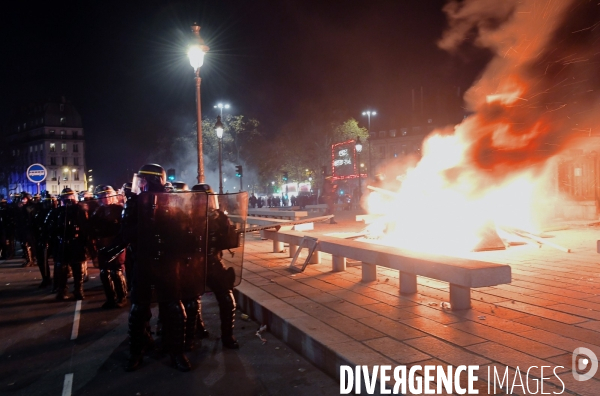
[(104, 228)]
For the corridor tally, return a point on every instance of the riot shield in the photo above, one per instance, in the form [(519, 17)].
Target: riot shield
[(235, 206), (172, 237)]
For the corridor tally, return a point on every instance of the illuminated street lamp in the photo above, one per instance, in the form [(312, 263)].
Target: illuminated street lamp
[(369, 113), (196, 54), (221, 106), (358, 147), (219, 130)]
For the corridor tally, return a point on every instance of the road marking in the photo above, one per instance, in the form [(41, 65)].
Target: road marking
[(68, 384), (75, 331)]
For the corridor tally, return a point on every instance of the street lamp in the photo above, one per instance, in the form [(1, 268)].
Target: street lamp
[(196, 54), (369, 113), (219, 130), (358, 147), (221, 106)]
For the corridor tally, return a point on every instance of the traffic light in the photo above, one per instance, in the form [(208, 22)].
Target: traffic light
[(285, 177), (171, 174), (239, 172)]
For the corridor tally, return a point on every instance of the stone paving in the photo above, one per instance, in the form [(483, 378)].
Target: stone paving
[(551, 307)]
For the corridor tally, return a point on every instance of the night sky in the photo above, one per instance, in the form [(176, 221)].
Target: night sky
[(124, 65)]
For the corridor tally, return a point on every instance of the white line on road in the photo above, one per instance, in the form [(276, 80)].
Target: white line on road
[(75, 331), (68, 384)]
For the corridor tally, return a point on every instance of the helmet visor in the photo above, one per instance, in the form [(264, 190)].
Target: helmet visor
[(138, 184)]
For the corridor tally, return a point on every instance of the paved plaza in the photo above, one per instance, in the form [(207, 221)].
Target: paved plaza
[(329, 318), (551, 308)]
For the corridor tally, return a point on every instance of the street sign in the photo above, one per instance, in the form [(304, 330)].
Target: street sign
[(36, 173)]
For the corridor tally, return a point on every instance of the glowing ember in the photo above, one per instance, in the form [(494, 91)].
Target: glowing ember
[(496, 167)]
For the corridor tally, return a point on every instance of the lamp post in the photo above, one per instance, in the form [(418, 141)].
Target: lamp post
[(221, 106), (219, 130), (358, 147), (196, 54), (369, 113)]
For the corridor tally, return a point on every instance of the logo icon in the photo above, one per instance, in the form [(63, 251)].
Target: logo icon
[(583, 363)]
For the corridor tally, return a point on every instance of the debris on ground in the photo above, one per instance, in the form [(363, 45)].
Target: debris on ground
[(445, 305), (244, 316), (259, 333), (481, 317)]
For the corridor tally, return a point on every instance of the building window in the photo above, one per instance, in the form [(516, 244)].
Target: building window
[(76, 161), (404, 131), (52, 147), (394, 152), (52, 160), (373, 134), (381, 151), (392, 133), (75, 133), (62, 107), (75, 147), (65, 175), (63, 120), (416, 129), (54, 188), (381, 134), (52, 133), (65, 161), (35, 148), (76, 175), (63, 134), (53, 175), (63, 147), (31, 149)]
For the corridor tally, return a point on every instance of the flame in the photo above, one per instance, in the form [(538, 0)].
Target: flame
[(535, 96)]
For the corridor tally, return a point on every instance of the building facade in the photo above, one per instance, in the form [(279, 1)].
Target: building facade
[(395, 143), (49, 133)]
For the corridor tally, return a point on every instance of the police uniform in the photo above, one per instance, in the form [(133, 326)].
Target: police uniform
[(106, 223), (70, 229)]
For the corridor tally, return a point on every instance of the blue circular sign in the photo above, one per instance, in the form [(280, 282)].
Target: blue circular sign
[(36, 173)]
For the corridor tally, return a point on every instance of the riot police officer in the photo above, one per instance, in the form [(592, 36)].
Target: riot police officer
[(7, 230), (25, 228), (162, 272), (70, 230), (105, 225), (42, 239), (218, 278)]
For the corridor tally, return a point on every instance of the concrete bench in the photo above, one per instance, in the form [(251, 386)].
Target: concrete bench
[(316, 208), (462, 274), (278, 214)]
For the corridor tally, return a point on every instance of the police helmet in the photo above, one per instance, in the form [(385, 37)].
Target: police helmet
[(213, 202), (180, 186), (107, 194), (86, 196), (203, 187), (68, 195), (150, 177), (104, 191)]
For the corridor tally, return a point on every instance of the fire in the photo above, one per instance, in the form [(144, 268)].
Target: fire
[(493, 169)]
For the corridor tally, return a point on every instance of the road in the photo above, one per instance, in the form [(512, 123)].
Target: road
[(44, 352)]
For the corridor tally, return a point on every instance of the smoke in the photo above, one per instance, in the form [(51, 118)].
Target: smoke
[(179, 151), (538, 94), (539, 91)]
